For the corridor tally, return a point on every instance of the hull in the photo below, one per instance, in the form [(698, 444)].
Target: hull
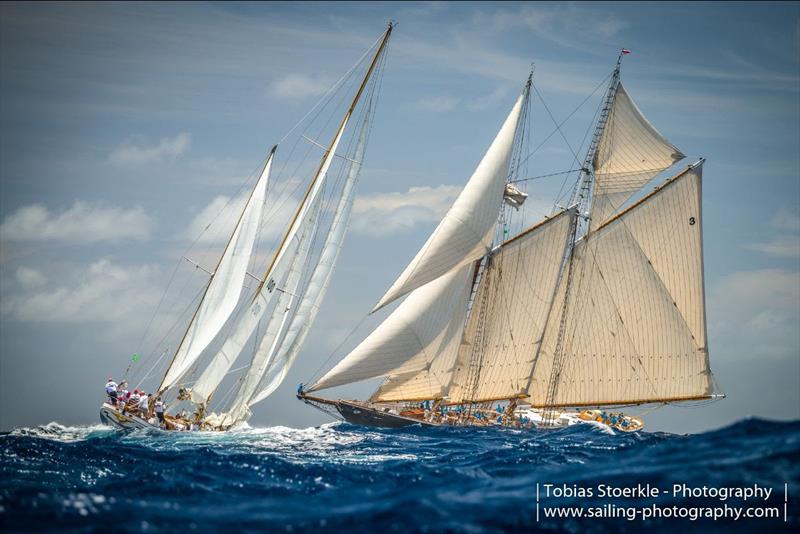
[(358, 414), (110, 415), (364, 414)]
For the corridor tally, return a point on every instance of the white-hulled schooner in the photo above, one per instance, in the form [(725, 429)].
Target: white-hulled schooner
[(600, 304), (275, 318)]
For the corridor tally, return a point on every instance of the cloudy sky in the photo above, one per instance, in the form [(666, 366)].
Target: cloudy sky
[(124, 127)]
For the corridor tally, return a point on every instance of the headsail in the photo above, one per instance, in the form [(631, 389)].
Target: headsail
[(223, 360), (426, 325), (630, 153), (225, 286), (466, 232), (635, 325)]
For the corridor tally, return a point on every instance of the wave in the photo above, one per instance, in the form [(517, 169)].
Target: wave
[(338, 476)]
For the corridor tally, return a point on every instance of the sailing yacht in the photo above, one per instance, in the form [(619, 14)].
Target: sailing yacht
[(275, 320), (601, 304)]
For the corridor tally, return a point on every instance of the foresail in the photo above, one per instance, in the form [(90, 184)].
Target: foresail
[(631, 152), (225, 287), (275, 328), (634, 326), (509, 314), (320, 279), (466, 232), (429, 322), (250, 318)]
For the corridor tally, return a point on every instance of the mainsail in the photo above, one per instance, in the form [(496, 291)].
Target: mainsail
[(320, 280), (225, 286), (634, 319), (508, 319)]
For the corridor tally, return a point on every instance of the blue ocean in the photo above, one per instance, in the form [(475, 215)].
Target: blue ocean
[(343, 478)]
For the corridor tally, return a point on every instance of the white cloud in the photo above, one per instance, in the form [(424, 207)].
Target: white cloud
[(133, 153), (558, 23), (437, 104), (756, 314), (300, 86), (386, 213), (786, 243), (30, 278), (214, 223), (81, 223), (100, 292)]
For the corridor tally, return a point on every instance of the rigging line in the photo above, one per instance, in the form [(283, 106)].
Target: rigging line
[(169, 332), (312, 378), (345, 76), (552, 133), (561, 190), (541, 176)]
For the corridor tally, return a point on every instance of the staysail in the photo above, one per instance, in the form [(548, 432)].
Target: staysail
[(223, 360), (426, 324), (634, 320), (224, 289), (466, 232), (508, 318), (630, 153), (320, 279)]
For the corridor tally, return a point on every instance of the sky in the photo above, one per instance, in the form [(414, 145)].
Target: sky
[(124, 127)]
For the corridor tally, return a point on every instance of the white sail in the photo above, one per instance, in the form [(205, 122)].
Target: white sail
[(634, 328), (630, 153), (466, 232), (320, 279), (426, 324), (509, 314), (283, 311), (223, 360), (225, 287)]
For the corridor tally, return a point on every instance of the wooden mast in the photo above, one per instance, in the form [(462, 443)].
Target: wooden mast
[(342, 124), (339, 130)]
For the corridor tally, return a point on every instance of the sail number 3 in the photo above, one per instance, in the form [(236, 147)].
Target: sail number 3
[(692, 221)]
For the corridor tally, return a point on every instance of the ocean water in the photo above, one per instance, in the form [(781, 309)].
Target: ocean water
[(343, 478)]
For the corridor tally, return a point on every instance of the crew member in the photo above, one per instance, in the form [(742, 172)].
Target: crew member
[(111, 391)]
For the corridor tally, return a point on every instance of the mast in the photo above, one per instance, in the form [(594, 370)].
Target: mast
[(581, 195), (321, 171), (161, 387), (336, 136)]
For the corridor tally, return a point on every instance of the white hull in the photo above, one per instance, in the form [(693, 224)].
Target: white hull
[(111, 416)]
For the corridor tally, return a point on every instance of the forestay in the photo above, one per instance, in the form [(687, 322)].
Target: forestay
[(635, 327), (225, 287), (630, 153), (467, 230)]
